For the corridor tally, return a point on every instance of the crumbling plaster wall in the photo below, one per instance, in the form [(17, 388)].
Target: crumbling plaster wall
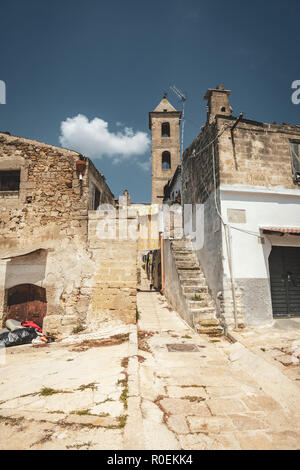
[(256, 156), (198, 188), (50, 212)]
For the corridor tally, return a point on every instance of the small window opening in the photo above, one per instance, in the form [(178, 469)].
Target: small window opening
[(166, 161), (223, 109), (295, 156), (165, 129), (96, 199), (9, 180)]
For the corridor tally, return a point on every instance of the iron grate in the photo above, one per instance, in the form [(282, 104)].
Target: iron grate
[(182, 347)]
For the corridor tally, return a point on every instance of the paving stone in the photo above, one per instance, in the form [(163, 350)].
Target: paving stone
[(245, 422), (225, 406), (106, 421), (213, 424), (287, 439), (196, 442), (178, 424), (256, 440), (261, 403), (224, 441), (222, 391), (178, 406), (180, 392)]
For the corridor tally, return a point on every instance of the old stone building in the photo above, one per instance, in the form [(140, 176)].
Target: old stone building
[(246, 174), (164, 123), (173, 189), (52, 261)]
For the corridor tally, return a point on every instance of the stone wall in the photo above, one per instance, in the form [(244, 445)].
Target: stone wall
[(198, 188), (172, 286), (50, 213), (256, 154), (253, 154), (114, 284)]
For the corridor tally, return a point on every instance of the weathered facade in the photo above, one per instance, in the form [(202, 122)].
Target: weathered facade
[(173, 189), (246, 174), (48, 270)]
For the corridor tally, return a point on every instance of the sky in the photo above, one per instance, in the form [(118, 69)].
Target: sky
[(84, 75)]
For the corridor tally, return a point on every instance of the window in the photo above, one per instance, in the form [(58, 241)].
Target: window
[(96, 199), (166, 161), (9, 180), (165, 129), (295, 156)]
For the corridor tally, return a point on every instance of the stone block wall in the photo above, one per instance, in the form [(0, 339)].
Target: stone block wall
[(160, 176), (256, 154), (113, 285), (253, 154), (198, 188), (49, 213)]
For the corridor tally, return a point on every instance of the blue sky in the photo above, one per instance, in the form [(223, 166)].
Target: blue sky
[(113, 60)]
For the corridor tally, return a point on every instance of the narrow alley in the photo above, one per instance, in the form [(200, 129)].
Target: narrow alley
[(199, 392), (156, 386)]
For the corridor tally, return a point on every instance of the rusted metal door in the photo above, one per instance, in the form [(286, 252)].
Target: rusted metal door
[(27, 302)]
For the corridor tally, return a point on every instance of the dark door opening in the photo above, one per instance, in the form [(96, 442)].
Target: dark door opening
[(284, 263), (26, 302)]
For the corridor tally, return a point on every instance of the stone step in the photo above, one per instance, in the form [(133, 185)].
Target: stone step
[(181, 252), (191, 275), (203, 310), (187, 265), (195, 290), (179, 245), (190, 265), (203, 303), (192, 284), (203, 316), (186, 257), (180, 241), (210, 331), (208, 322)]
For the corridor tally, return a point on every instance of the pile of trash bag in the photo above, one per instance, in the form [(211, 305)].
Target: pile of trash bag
[(17, 333), (17, 337)]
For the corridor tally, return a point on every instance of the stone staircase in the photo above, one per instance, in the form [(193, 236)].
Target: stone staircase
[(199, 302)]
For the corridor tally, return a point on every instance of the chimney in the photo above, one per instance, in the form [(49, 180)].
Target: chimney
[(125, 199), (217, 103)]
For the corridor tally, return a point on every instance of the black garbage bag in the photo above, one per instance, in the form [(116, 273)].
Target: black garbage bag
[(17, 337)]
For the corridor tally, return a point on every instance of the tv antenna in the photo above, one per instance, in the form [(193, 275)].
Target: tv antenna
[(182, 98)]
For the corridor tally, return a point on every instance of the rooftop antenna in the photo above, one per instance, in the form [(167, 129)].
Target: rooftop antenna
[(182, 98)]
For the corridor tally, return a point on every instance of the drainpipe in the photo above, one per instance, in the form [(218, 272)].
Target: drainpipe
[(162, 263), (230, 264)]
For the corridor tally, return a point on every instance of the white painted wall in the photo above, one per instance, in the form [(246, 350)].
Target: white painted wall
[(264, 208)]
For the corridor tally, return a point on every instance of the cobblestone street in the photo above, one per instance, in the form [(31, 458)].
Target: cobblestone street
[(213, 398), (157, 386)]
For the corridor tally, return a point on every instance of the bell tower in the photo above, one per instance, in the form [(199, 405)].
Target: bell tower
[(164, 123)]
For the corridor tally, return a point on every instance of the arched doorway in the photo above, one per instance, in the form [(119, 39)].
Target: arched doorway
[(26, 302)]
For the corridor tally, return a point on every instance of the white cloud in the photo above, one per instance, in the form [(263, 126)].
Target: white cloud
[(93, 139), (145, 165)]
